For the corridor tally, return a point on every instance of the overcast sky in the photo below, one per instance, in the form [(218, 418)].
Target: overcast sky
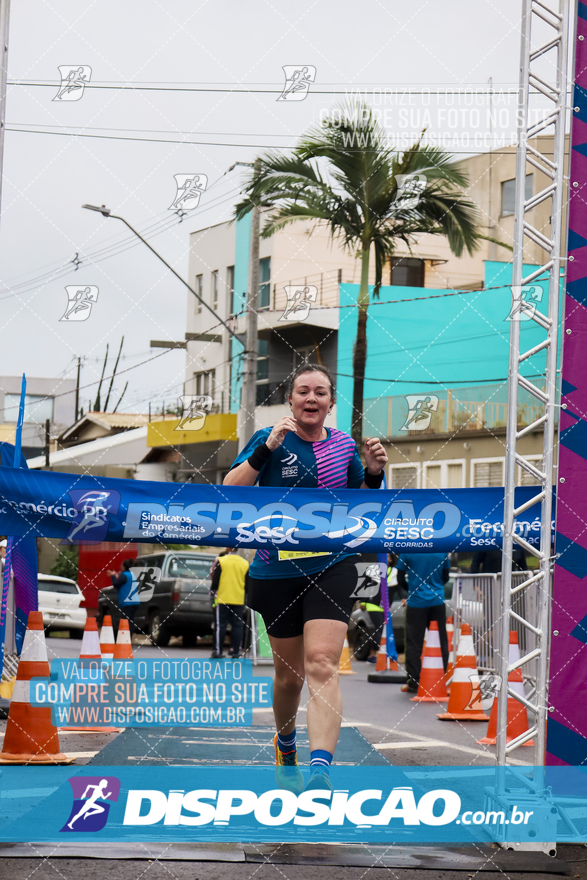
[(390, 46)]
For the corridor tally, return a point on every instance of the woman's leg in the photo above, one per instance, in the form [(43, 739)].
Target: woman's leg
[(288, 657), (323, 643)]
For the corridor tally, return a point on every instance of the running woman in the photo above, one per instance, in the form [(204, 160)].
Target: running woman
[(305, 598)]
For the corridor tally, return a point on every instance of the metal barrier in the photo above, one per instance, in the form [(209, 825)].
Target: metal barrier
[(476, 600)]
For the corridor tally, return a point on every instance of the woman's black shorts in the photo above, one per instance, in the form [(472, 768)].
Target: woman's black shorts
[(286, 604)]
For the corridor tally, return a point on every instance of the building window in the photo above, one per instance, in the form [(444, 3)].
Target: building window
[(263, 390), (230, 289), (305, 354), (340, 276), (443, 475), (37, 408), (406, 272), (264, 283), (215, 289), (263, 360), (508, 194), (200, 292), (205, 382), (403, 477), (487, 473)]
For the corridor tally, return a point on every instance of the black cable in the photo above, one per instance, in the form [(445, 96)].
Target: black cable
[(468, 152)]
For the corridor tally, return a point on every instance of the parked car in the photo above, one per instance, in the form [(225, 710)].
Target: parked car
[(180, 603), (60, 603), (361, 626)]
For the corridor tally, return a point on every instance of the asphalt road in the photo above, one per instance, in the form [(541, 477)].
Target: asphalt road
[(55, 868), (407, 733)]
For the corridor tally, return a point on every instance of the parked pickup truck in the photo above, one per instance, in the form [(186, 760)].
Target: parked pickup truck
[(180, 602)]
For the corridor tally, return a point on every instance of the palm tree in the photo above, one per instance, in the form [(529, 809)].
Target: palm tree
[(344, 173)]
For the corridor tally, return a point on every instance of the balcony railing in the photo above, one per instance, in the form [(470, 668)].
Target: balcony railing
[(477, 408), (326, 284)]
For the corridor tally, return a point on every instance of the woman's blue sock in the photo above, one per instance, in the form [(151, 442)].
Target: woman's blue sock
[(286, 742), (320, 761)]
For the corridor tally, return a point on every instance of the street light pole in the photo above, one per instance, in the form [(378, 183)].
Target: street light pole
[(79, 368), (249, 393), (107, 213)]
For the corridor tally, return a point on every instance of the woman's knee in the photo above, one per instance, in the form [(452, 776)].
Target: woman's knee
[(321, 665), (289, 677)]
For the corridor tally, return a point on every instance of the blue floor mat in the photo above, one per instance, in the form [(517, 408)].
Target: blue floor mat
[(223, 745)]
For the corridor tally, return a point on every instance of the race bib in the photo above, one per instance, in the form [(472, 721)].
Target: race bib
[(285, 555)]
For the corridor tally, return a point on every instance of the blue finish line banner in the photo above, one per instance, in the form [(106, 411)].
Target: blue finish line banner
[(243, 804), (90, 510)]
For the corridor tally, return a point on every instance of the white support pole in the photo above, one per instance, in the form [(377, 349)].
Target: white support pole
[(555, 47)]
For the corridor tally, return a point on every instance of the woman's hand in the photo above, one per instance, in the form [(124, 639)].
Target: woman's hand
[(277, 435), (375, 455)]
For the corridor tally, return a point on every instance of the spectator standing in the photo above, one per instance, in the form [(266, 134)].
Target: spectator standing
[(229, 589), (375, 608), (127, 589), (427, 573), (489, 561)]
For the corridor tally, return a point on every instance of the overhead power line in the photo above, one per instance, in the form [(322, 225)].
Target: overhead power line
[(471, 150), (269, 90)]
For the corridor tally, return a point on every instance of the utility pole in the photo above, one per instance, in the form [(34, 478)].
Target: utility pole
[(47, 441), (249, 391), (4, 22), (79, 367)]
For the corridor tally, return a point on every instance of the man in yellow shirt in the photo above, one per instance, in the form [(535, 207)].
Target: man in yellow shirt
[(228, 590)]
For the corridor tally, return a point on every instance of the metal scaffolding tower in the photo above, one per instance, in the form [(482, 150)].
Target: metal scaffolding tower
[(545, 41)]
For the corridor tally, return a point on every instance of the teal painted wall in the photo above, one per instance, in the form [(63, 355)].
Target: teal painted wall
[(431, 345), (241, 281)]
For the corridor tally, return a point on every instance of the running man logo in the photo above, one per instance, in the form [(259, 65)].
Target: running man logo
[(421, 408), (482, 697), (90, 802), (146, 579), (80, 300), (92, 518), (369, 575), (484, 689), (409, 190), (297, 82), (73, 81), (189, 188), (524, 302), (299, 301), (194, 409)]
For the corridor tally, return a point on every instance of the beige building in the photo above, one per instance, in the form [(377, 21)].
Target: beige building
[(454, 451)]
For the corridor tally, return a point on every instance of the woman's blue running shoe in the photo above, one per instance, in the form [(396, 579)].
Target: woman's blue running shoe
[(319, 781)]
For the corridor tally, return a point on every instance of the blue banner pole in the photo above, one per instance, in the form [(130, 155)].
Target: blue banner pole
[(10, 540)]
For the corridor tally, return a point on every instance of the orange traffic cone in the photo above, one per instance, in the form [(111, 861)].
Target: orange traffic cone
[(383, 662), (517, 723), (450, 630), (464, 702), (30, 736), (432, 687), (107, 638), (344, 666), (90, 650), (123, 646)]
